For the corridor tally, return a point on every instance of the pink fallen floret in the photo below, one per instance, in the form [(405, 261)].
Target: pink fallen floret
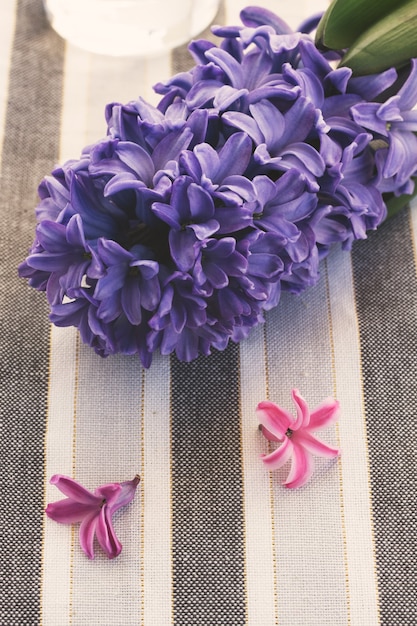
[(297, 438), (94, 511)]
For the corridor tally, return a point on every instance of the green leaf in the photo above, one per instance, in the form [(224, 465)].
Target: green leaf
[(346, 20), (396, 203), (391, 42)]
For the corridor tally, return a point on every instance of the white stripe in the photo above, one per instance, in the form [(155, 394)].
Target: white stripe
[(56, 566), (8, 16), (256, 484), (108, 449), (104, 403), (352, 430), (123, 80), (157, 570), (74, 104), (311, 574)]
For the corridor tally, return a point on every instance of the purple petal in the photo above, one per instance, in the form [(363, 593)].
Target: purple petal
[(239, 186), (166, 213), (408, 92), (51, 236), (232, 304), (304, 157), (234, 157), (131, 301), (123, 181), (201, 204), (186, 348), (178, 318), (271, 123), (402, 155), (106, 535), (366, 114), (87, 534), (233, 218), (228, 64), (205, 230), (369, 87), (208, 160), (151, 293), (75, 233), (48, 261), (181, 243), (202, 92), (264, 265), (299, 121), (258, 16), (68, 511), (135, 157), (191, 164), (170, 147), (125, 494), (110, 308), (70, 488), (111, 282), (216, 275), (246, 123), (198, 123)]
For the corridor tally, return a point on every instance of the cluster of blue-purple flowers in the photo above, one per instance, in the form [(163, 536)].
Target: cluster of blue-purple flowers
[(180, 229)]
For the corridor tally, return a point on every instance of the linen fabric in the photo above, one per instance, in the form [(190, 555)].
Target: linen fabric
[(211, 538)]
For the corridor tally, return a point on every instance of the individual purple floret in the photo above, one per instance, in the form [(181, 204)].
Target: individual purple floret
[(183, 225)]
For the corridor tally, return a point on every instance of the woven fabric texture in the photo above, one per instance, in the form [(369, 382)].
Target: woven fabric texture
[(212, 538)]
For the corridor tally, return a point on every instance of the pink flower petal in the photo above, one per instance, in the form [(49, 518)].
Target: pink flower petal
[(275, 419), (299, 442), (303, 413), (68, 511), (109, 493), (70, 488), (87, 532), (269, 435), (325, 414), (94, 511), (316, 446), (126, 494), (278, 457), (106, 535), (302, 466)]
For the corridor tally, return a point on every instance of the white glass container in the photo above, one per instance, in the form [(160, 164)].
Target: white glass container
[(130, 27)]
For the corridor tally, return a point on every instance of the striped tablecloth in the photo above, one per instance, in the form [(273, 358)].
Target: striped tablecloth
[(212, 538)]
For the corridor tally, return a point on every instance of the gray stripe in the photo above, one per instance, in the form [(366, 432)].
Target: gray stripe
[(207, 491), (30, 151), (386, 297)]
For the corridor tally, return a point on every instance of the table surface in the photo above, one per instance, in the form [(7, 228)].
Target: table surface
[(211, 538)]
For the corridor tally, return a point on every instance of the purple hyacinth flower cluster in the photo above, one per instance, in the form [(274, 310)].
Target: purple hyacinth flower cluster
[(180, 228)]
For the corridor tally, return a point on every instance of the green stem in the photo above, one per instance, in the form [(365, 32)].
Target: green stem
[(396, 203)]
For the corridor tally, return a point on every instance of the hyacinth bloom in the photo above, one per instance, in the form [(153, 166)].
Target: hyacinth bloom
[(179, 229), (298, 442), (94, 511), (395, 122)]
